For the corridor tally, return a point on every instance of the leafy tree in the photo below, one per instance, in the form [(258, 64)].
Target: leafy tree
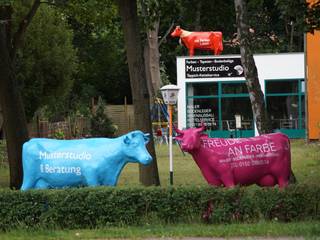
[(250, 70), (47, 62), (101, 125), (292, 16), (312, 19), (15, 125), (102, 62)]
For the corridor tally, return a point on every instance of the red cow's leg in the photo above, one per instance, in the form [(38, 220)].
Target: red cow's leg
[(215, 52), (191, 52)]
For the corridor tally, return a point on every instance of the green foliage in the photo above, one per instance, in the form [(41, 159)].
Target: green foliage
[(6, 2), (47, 62), (59, 134), (101, 125), (313, 17), (92, 207), (99, 40)]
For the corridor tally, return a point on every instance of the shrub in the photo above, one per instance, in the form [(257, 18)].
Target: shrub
[(92, 207), (101, 125)]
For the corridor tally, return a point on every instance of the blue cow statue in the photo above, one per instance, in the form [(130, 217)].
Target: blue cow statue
[(51, 163)]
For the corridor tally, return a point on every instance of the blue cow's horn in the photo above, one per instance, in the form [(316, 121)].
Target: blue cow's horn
[(146, 137)]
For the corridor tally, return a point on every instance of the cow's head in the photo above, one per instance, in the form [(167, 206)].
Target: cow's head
[(135, 147), (177, 32), (190, 138)]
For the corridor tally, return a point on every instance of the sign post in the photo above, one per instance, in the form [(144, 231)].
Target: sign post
[(238, 124), (170, 96)]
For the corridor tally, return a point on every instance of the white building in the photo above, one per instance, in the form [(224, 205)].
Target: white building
[(213, 90)]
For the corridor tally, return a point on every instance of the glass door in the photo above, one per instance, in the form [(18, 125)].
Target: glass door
[(285, 104)]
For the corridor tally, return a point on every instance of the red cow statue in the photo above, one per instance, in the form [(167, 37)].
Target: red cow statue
[(264, 160), (200, 40)]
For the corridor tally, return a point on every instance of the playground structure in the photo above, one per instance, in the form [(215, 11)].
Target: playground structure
[(159, 116)]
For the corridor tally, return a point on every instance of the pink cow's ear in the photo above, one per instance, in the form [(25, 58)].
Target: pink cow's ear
[(179, 137), (204, 135)]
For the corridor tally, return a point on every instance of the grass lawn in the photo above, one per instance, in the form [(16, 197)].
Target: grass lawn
[(308, 230)]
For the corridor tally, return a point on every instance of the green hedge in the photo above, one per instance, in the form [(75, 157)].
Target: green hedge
[(92, 207)]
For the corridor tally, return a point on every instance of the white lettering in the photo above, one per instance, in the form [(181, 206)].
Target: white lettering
[(60, 169), (64, 155)]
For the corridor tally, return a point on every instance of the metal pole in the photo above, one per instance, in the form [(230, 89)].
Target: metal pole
[(170, 144)]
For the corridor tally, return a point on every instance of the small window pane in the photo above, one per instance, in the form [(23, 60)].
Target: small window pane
[(303, 86), (282, 86), (240, 106), (284, 111), (202, 89), (234, 88), (202, 110)]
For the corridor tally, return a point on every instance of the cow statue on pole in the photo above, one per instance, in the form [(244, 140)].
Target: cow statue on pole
[(264, 160), (211, 41), (51, 163)]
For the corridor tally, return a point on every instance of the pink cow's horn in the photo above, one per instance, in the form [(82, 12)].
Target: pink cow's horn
[(202, 128), (178, 130)]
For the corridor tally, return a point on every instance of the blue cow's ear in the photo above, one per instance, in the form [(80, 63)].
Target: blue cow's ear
[(146, 137), (126, 140)]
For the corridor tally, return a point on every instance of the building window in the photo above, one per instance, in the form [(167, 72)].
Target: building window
[(285, 104), (202, 89), (287, 86), (202, 110), (236, 106), (216, 104), (234, 88)]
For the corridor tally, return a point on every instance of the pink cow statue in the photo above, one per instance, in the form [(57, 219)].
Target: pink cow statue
[(211, 41), (264, 160)]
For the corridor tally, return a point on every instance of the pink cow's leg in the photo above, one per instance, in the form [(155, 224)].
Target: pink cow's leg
[(228, 180), (267, 181), (214, 182), (282, 182)]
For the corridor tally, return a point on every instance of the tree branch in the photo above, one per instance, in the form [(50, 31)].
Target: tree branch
[(17, 40), (166, 34), (5, 18)]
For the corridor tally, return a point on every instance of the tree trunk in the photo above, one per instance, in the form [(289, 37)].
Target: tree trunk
[(198, 17), (250, 71), (152, 63), (128, 12), (15, 126)]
